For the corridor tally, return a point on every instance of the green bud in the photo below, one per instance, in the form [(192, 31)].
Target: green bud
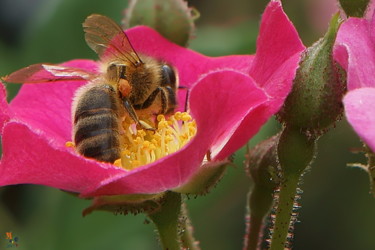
[(315, 101), (296, 151), (171, 18), (355, 8), (261, 165)]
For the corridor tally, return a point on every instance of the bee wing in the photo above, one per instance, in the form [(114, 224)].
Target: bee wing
[(42, 73), (107, 39)]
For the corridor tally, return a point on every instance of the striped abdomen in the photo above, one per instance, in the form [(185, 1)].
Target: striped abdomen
[(96, 123)]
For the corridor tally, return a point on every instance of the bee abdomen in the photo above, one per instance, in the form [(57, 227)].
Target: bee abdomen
[(97, 137), (96, 124)]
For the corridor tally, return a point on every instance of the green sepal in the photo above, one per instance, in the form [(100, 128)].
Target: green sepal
[(173, 19), (314, 104), (208, 175), (125, 204), (261, 163), (354, 8)]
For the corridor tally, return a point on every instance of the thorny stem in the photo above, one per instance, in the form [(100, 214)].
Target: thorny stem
[(187, 238), (284, 211), (167, 222), (253, 232)]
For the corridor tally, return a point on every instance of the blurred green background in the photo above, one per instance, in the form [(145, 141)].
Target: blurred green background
[(337, 210)]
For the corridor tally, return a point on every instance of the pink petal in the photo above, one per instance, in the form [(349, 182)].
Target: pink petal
[(355, 51), (190, 63), (214, 119), (277, 42), (4, 109), (47, 106), (29, 156), (273, 68), (360, 110), (370, 9)]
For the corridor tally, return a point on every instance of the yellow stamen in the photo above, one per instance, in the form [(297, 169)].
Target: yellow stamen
[(143, 146)]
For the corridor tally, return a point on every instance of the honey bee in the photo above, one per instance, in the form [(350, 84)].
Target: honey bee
[(130, 84)]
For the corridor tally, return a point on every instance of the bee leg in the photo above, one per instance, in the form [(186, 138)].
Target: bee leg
[(186, 97), (133, 115), (165, 96), (164, 99), (167, 99), (149, 101)]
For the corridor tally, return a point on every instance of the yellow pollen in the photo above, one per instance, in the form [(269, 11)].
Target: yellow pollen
[(141, 147), (69, 144)]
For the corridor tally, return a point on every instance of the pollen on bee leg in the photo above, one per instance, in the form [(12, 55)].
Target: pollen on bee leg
[(124, 87), (69, 144), (144, 146), (117, 163)]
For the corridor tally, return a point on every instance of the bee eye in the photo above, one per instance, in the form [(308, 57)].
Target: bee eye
[(168, 75), (111, 69)]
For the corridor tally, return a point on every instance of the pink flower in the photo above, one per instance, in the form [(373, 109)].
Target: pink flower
[(355, 51), (230, 98)]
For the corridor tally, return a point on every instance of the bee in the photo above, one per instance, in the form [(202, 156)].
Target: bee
[(129, 84)]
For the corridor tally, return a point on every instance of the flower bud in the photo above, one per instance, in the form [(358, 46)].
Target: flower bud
[(261, 165), (171, 18), (355, 8), (315, 101)]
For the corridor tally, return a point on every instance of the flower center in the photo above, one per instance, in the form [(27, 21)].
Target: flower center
[(143, 146)]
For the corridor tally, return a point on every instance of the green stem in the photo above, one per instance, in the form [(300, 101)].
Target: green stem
[(167, 221), (284, 211), (187, 238), (259, 204), (253, 232)]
